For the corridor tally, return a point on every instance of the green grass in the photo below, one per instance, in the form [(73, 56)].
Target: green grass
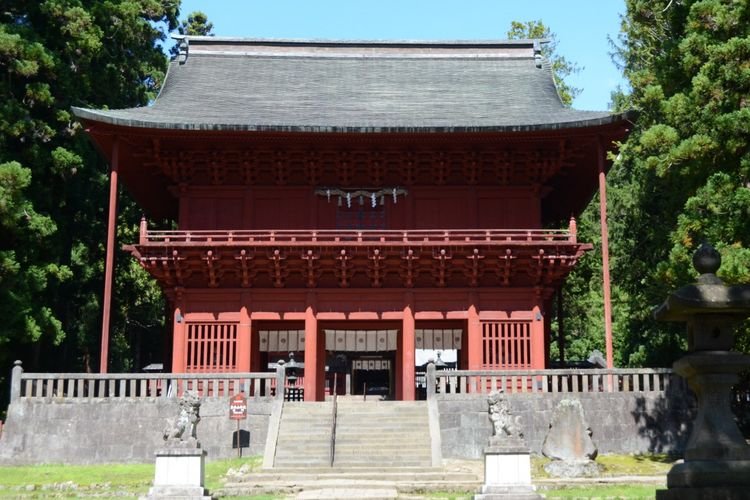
[(610, 491), (58, 480), (107, 481), (616, 465)]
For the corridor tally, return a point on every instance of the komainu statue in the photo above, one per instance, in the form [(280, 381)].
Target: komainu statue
[(181, 431), (504, 425)]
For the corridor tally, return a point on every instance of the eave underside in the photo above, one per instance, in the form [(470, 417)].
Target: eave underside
[(562, 164)]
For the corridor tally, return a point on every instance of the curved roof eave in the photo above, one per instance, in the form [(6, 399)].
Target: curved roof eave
[(111, 118)]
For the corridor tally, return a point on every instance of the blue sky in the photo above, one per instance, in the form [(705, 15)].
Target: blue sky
[(582, 26)]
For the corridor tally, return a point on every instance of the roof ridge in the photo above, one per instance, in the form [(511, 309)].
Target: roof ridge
[(321, 42)]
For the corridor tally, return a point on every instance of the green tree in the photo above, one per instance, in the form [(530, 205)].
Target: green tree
[(53, 186), (196, 24), (561, 67), (684, 173)]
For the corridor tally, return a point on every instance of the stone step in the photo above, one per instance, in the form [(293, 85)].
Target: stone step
[(292, 486), (355, 444), (358, 473)]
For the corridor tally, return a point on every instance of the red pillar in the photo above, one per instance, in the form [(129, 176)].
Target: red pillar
[(110, 258), (179, 343), (244, 342), (537, 339), (408, 392), (605, 255), (474, 334), (312, 352)]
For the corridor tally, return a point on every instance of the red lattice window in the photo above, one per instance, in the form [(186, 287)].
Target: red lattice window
[(211, 347), (507, 344)]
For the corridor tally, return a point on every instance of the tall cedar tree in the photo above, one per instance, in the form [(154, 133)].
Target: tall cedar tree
[(55, 54), (683, 176)]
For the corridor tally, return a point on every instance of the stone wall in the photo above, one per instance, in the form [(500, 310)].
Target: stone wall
[(102, 430), (623, 422)]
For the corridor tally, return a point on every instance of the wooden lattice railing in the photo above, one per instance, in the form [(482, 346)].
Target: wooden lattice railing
[(365, 237)]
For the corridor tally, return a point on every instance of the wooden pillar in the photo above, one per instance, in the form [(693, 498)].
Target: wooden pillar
[(474, 337), (244, 342), (179, 344), (560, 325), (312, 351), (537, 339), (110, 257), (408, 344), (601, 152)]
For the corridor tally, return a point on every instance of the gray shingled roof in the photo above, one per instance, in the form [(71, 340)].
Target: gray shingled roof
[(320, 92)]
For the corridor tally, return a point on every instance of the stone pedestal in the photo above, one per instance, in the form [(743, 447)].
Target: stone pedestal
[(507, 473), (180, 473), (717, 459)]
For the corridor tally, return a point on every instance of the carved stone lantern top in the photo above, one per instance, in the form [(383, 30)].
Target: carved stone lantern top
[(710, 308)]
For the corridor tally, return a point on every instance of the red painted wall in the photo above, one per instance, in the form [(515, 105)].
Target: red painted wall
[(450, 207)]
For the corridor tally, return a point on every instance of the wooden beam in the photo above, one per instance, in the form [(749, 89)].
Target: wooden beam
[(601, 152), (110, 257)]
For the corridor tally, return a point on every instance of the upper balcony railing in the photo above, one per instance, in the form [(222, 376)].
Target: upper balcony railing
[(415, 237)]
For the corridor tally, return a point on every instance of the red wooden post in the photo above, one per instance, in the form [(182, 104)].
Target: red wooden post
[(110, 258), (311, 355), (408, 391), (605, 254), (179, 344), (244, 342), (537, 339), (475, 347), (143, 232), (573, 229)]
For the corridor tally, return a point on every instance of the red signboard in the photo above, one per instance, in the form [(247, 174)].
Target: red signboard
[(238, 407)]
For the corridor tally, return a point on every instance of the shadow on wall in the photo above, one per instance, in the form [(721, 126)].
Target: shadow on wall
[(666, 421)]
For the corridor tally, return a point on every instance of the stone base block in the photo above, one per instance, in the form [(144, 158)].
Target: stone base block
[(712, 493), (180, 473), (506, 492), (507, 469), (578, 468), (709, 474), (177, 492)]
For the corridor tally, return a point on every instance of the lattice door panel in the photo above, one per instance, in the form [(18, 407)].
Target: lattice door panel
[(506, 344), (211, 347)]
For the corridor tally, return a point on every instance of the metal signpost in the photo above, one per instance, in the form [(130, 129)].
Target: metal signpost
[(238, 411)]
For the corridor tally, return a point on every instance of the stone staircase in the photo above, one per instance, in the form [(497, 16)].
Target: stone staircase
[(383, 450), (304, 435), (382, 434), (350, 483)]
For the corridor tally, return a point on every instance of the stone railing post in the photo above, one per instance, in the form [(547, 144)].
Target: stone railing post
[(280, 379), (431, 380), (15, 381)]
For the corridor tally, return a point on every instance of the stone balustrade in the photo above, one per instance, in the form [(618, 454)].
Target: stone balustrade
[(257, 386), (448, 383)]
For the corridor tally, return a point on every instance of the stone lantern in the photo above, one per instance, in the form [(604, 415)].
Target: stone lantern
[(717, 458)]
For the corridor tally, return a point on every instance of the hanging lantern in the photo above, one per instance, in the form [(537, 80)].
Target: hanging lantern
[(373, 200), (348, 200), (395, 200), (328, 195)]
